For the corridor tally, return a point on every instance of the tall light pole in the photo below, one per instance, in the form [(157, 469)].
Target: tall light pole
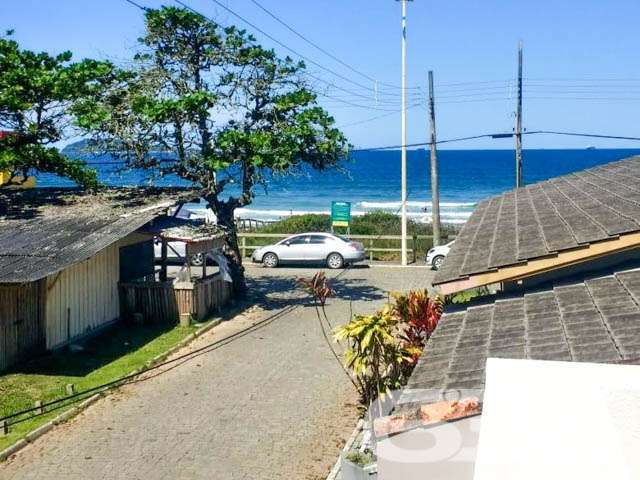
[(403, 200)]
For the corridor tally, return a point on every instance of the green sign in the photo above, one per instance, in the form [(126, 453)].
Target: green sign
[(340, 214)]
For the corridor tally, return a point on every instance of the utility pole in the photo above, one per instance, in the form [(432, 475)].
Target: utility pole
[(519, 121), (435, 189), (403, 199)]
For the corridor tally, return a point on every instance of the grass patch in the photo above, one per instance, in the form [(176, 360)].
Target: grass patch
[(107, 357)]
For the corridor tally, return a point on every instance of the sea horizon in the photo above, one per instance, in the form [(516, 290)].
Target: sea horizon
[(370, 181)]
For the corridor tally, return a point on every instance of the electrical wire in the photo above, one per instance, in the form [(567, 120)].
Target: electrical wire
[(272, 38), (137, 5), (126, 379), (504, 135), (318, 47)]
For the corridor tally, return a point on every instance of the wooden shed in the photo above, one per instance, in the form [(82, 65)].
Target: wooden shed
[(62, 257)]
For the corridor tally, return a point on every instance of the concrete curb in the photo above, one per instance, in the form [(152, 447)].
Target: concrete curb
[(350, 441), (73, 411)]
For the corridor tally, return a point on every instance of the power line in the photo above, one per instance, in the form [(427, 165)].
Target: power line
[(506, 135), (141, 7), (329, 54), (128, 378), (315, 45), (271, 37), (377, 117)]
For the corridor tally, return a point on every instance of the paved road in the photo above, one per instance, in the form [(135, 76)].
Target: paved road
[(270, 404)]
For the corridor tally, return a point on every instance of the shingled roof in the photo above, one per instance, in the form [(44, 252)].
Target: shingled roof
[(594, 320), (545, 219), (42, 231)]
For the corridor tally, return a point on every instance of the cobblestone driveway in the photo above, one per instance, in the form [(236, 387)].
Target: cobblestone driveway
[(271, 404)]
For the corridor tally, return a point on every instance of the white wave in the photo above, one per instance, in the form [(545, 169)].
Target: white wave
[(414, 204)]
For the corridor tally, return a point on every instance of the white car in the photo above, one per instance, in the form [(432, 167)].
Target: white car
[(436, 255), (316, 247)]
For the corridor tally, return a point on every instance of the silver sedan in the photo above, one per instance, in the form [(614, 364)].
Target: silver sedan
[(316, 247)]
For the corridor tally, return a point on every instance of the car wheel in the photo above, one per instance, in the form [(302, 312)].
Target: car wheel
[(197, 260), (335, 261), (437, 262), (270, 260)]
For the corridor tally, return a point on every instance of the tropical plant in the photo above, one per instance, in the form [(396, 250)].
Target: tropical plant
[(418, 316), (37, 92), (213, 107), (374, 354)]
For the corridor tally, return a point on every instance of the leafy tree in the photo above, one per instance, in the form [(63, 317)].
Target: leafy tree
[(36, 93), (213, 107)]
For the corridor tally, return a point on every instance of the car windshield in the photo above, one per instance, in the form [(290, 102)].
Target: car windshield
[(344, 239)]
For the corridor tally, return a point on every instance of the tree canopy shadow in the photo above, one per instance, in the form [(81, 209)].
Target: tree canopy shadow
[(275, 292)]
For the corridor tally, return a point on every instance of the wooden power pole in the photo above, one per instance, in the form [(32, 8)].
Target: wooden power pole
[(518, 131), (435, 189)]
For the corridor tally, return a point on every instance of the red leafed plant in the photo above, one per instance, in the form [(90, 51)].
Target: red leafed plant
[(418, 315), (318, 286)]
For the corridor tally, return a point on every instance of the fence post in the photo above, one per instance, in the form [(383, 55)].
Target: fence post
[(38, 405), (4, 428), (415, 246), (244, 247), (371, 249)]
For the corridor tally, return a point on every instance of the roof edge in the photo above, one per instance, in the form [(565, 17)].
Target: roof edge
[(544, 264)]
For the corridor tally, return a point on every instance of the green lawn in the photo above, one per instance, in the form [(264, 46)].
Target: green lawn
[(111, 355)]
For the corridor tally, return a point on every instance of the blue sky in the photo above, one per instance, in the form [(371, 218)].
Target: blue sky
[(581, 60)]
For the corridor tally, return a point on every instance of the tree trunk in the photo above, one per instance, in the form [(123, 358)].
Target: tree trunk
[(224, 213)]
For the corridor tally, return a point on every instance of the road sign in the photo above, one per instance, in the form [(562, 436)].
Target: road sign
[(340, 214)]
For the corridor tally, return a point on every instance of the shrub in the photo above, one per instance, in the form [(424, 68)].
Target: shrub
[(299, 224), (384, 347), (418, 315)]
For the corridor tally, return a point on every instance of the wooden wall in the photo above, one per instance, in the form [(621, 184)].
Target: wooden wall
[(21, 322), (82, 297)]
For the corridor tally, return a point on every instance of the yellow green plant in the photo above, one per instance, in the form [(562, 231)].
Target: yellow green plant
[(374, 354)]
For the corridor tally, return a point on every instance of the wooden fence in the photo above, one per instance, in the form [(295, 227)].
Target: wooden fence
[(164, 302), (251, 224), (370, 242)]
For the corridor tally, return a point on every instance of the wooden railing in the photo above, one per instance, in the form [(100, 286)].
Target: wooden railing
[(369, 242), (251, 224)]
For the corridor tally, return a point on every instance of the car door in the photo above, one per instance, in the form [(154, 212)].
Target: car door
[(317, 248), (293, 250)]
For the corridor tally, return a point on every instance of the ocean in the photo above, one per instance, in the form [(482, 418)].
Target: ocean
[(370, 180)]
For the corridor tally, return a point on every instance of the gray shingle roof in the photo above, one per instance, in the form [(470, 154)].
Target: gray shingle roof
[(546, 218), (595, 320), (46, 230)]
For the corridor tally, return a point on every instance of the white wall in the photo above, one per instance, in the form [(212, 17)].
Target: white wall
[(83, 297)]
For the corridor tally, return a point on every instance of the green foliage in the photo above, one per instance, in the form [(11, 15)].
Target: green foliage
[(384, 347), (371, 223), (359, 458), (227, 110), (375, 355), (37, 91), (467, 295), (299, 224), (105, 358)]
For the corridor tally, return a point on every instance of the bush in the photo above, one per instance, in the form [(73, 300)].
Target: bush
[(310, 222), (383, 348)]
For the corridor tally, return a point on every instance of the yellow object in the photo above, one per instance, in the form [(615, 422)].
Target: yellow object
[(19, 183)]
